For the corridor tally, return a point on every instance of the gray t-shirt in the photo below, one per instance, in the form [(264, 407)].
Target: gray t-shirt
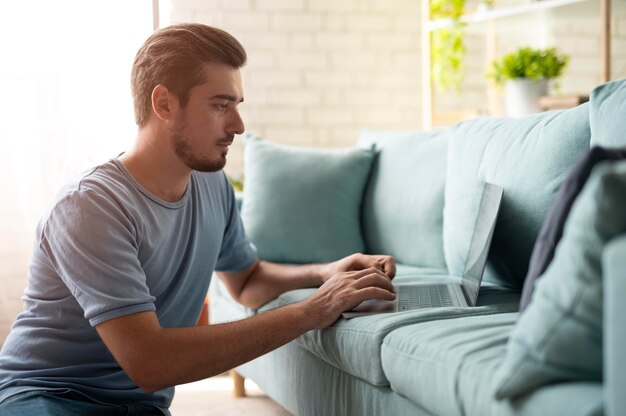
[(106, 249)]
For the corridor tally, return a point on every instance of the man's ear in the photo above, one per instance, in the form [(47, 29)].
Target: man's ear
[(164, 103)]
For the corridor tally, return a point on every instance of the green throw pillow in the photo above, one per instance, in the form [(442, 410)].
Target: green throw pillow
[(559, 336), (303, 205)]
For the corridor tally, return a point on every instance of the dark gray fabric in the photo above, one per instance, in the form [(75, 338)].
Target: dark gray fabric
[(552, 228)]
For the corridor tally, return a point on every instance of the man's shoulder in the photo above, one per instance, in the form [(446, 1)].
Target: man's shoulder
[(104, 182), (103, 172), (106, 177)]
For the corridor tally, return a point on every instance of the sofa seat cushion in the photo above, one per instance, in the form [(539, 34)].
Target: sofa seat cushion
[(448, 367), (306, 386), (353, 345), (403, 200), (423, 362), (529, 158)]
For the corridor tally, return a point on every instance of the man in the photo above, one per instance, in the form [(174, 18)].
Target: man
[(123, 259)]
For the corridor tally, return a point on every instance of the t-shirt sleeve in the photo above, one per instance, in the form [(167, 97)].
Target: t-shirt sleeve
[(237, 252), (91, 242)]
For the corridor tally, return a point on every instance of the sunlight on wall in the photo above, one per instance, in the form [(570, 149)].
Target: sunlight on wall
[(69, 103), (66, 105)]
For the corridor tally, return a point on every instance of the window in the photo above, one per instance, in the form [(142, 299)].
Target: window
[(66, 102), (65, 105)]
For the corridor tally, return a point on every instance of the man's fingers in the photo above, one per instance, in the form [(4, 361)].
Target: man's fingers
[(374, 279), (389, 266), (364, 272), (386, 264), (373, 292)]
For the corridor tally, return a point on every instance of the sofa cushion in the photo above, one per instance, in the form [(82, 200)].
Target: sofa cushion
[(353, 345), (423, 361), (559, 336), (403, 202), (302, 205), (552, 228), (529, 158), (306, 386), (606, 102), (448, 366)]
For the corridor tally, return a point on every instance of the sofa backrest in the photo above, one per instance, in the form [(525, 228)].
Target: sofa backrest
[(529, 158), (402, 212)]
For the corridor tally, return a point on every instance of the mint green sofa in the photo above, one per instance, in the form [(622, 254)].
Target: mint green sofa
[(418, 204)]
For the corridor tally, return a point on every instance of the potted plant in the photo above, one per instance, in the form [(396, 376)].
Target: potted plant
[(525, 74)]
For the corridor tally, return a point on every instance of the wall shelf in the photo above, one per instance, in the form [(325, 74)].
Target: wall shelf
[(429, 115), (501, 12)]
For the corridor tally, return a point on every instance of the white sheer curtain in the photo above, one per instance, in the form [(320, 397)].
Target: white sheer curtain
[(65, 105)]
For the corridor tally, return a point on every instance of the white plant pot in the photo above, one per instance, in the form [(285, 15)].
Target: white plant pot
[(522, 96)]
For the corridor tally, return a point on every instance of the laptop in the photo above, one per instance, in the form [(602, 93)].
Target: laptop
[(436, 295)]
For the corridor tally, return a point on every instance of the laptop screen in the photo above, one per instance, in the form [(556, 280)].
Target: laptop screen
[(481, 241)]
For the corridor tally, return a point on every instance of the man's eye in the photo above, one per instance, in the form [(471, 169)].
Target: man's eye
[(221, 107)]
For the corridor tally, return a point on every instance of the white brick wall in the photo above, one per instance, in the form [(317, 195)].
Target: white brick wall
[(321, 70)]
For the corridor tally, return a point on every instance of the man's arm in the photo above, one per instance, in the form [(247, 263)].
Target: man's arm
[(264, 281), (156, 357)]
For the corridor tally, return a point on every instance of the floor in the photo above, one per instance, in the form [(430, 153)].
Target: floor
[(214, 396)]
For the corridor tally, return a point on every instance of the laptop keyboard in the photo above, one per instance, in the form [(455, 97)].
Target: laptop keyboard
[(425, 297)]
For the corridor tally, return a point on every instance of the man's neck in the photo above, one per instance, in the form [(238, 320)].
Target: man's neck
[(154, 165)]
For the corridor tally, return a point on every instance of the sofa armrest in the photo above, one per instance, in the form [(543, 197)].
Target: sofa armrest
[(614, 275)]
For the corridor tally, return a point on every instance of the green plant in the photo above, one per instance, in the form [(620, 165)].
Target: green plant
[(448, 48), (529, 63), (236, 182)]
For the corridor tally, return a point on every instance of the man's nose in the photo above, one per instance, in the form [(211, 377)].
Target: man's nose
[(236, 125)]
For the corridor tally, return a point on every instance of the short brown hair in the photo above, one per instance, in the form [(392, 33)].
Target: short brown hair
[(174, 56)]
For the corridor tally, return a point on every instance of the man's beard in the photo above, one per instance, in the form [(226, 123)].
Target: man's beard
[(184, 152)]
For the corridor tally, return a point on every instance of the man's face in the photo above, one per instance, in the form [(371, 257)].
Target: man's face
[(204, 129)]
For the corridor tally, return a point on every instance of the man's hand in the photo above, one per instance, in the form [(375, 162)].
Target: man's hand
[(344, 291), (358, 261), (263, 280)]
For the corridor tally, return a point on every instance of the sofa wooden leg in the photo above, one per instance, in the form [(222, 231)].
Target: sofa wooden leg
[(239, 383)]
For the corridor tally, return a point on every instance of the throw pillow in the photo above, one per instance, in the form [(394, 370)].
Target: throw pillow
[(552, 228), (559, 336), (302, 205), (403, 203)]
